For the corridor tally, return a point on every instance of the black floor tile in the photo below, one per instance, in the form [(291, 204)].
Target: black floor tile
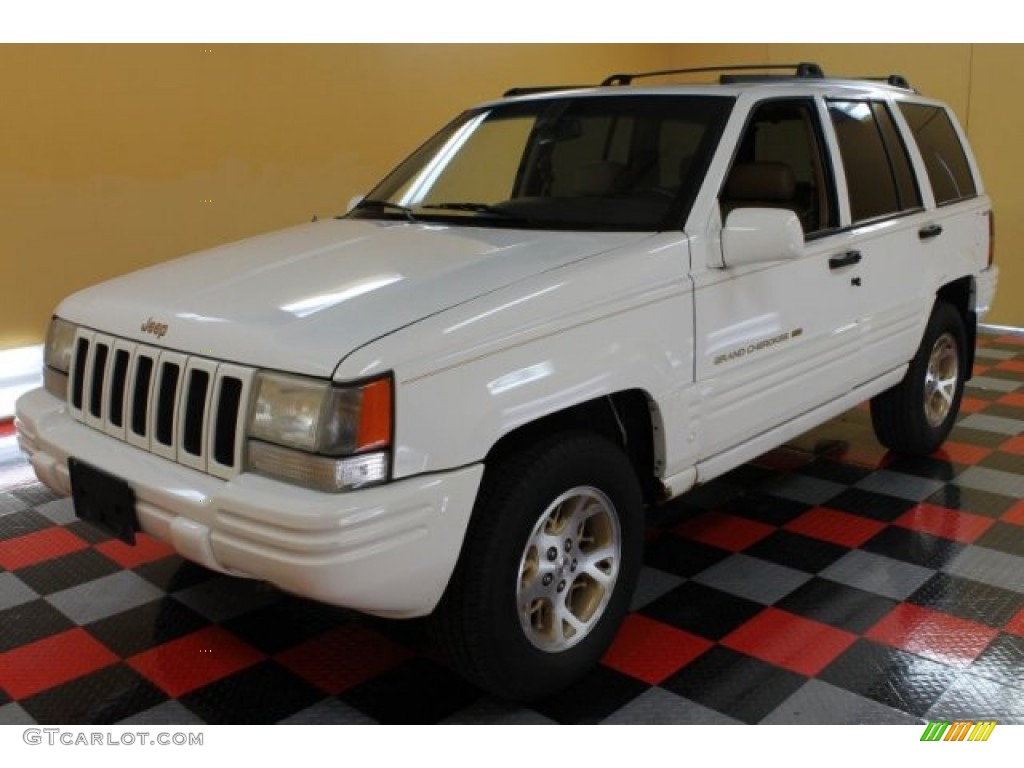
[(794, 550), (1007, 462), (680, 556), (927, 467), (1005, 537), (67, 571), (890, 676), (735, 684), (979, 437), (702, 610), (22, 523), (28, 622), (838, 605), (748, 476), (34, 494), (88, 532), (418, 692), (766, 508), (172, 574), (1004, 411), (262, 694), (100, 698), (286, 623), (139, 629), (985, 503), (593, 698), (877, 506), (834, 471), (968, 599), (913, 547), (1003, 661)]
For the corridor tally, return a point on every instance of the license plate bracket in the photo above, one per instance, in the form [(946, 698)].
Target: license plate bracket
[(104, 500)]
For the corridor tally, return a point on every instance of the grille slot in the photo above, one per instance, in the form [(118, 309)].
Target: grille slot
[(183, 408)]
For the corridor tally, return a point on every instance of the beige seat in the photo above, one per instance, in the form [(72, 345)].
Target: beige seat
[(760, 185)]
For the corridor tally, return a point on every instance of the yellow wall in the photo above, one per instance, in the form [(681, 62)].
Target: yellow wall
[(980, 82), (116, 157)]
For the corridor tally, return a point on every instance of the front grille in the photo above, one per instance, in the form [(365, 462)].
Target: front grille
[(183, 407)]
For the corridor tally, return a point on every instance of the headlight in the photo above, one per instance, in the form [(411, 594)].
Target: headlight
[(331, 430), (60, 344)]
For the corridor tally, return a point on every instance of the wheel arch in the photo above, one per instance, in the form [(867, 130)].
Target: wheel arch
[(960, 295)]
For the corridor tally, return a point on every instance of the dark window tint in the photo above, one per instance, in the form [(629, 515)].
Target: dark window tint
[(869, 174), (899, 160), (780, 164), (944, 157)]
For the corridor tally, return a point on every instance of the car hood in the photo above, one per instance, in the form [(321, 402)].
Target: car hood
[(302, 298)]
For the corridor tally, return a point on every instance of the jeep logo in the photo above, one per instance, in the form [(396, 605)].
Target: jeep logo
[(157, 329)]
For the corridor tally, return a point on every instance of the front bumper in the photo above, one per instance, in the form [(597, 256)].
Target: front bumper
[(387, 550)]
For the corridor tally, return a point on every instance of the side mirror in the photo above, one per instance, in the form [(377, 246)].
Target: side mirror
[(760, 235), (353, 202)]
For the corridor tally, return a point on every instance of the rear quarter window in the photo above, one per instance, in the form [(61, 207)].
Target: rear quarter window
[(944, 156)]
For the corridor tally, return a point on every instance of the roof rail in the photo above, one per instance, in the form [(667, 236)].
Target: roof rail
[(527, 90), (802, 69), (896, 81)]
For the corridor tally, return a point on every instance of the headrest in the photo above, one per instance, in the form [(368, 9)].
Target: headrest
[(761, 181), (600, 178)]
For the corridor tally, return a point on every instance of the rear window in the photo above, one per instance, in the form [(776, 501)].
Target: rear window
[(944, 156)]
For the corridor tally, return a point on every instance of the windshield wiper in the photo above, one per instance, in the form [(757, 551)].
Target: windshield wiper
[(474, 207), (386, 205)]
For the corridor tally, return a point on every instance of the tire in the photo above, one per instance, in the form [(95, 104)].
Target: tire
[(916, 415), (547, 569)]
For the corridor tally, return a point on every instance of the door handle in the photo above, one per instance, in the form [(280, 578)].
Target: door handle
[(841, 260), (932, 230)]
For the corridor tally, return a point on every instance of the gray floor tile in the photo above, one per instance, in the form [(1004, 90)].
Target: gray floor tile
[(9, 504), (992, 480), (489, 710), (329, 712), (167, 713), (821, 703), (752, 578), (875, 573), (999, 424), (900, 485), (802, 488), (994, 384), (13, 714), (657, 706), (13, 591), (104, 597), (60, 511), (224, 597), (974, 698), (989, 566), (990, 353), (653, 583)]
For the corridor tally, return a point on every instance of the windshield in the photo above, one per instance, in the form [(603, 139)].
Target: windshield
[(610, 163)]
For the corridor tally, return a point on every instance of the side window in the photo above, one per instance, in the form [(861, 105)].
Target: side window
[(944, 157), (879, 177), (780, 163)]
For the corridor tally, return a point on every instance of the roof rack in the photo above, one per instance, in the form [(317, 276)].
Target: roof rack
[(528, 90), (896, 81), (802, 69)]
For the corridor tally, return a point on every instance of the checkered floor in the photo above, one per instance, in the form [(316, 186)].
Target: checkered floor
[(826, 582)]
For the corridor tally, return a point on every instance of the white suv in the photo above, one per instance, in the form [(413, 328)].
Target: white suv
[(567, 305)]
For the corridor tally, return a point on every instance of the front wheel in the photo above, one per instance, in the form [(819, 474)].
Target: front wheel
[(547, 569), (917, 414)]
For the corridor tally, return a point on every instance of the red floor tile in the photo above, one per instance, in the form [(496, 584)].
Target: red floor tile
[(36, 547), (6, 428), (195, 660), (947, 523), (723, 530), (973, 404), (1016, 624), (1014, 445), (937, 636), (1011, 339), (1017, 366), (1014, 514), (38, 666), (342, 658), (834, 526), (979, 369), (1015, 399), (651, 651), (961, 453), (146, 550), (786, 640)]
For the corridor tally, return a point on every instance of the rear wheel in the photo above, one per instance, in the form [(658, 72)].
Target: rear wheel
[(547, 569), (917, 414)]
